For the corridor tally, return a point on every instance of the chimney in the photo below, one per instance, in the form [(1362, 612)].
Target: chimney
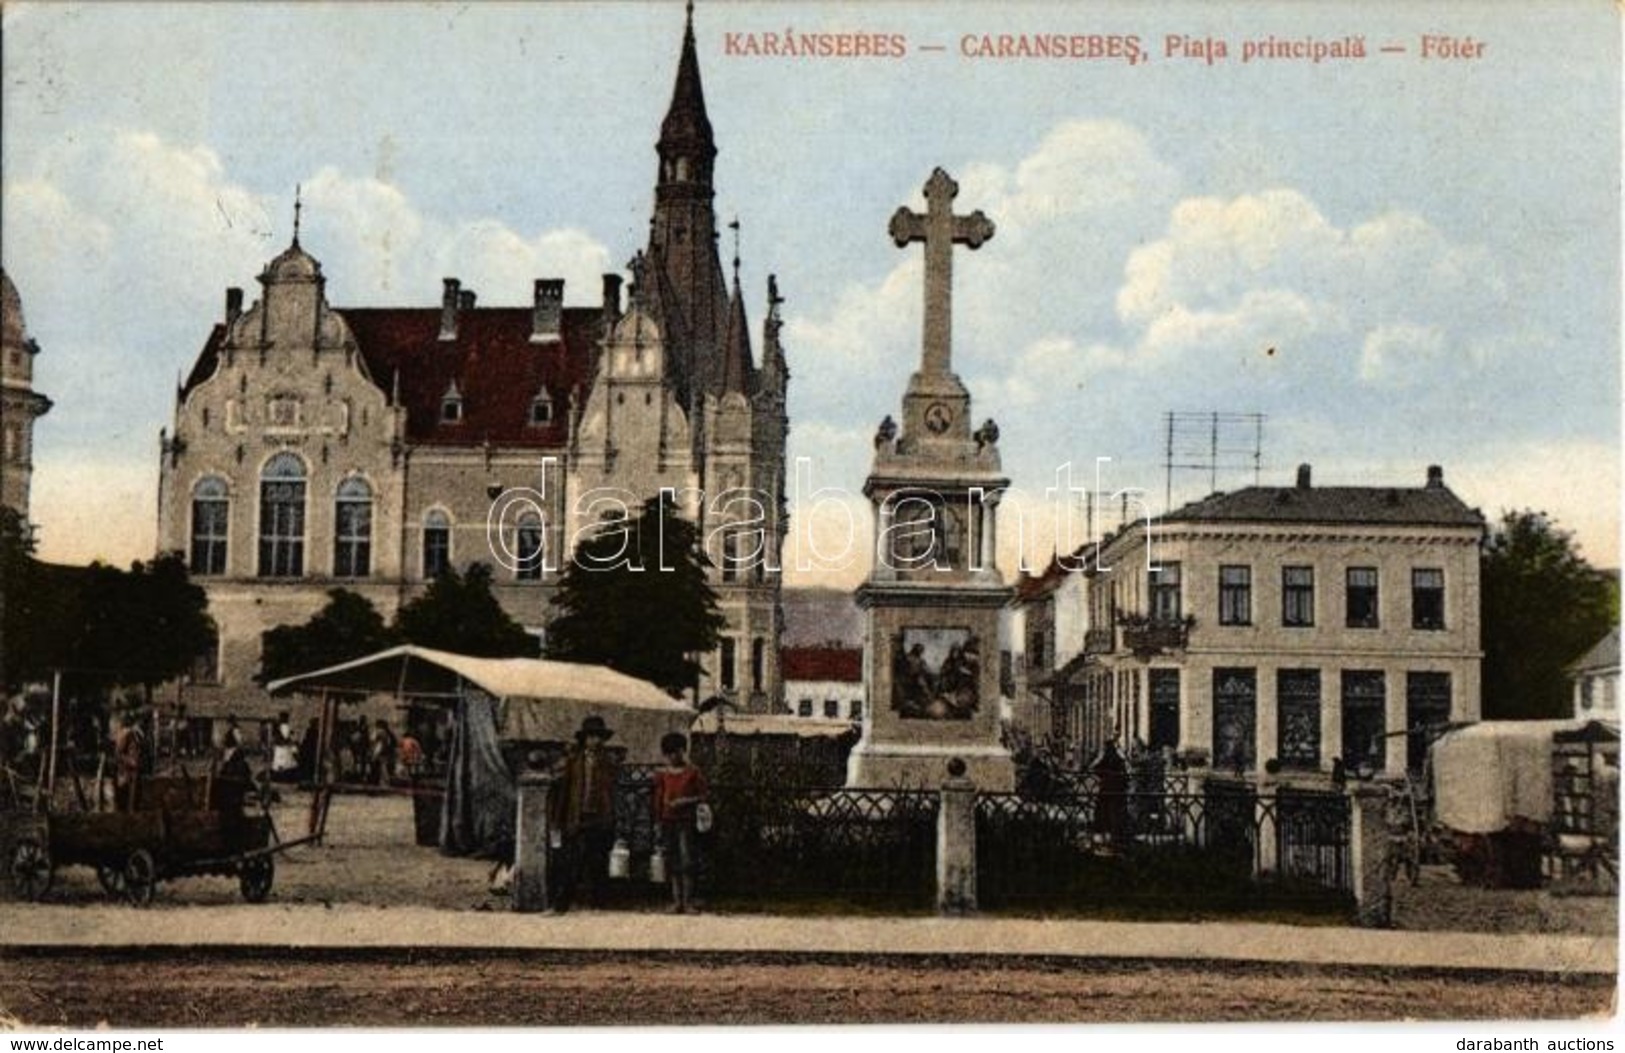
[(612, 299), (1435, 477), (547, 316), (1303, 477), (448, 309), (234, 305), (465, 300)]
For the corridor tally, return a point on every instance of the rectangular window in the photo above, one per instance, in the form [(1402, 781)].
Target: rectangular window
[(206, 664), (758, 655), (1235, 595), (1427, 598), (804, 707), (209, 520), (282, 529), (1164, 588), (1035, 650), (725, 660), (528, 550), (857, 709), (1298, 597), (832, 708), (1362, 599), (1235, 719), (436, 551), (1427, 714), (1365, 721), (1297, 697), (1164, 708), (352, 544)]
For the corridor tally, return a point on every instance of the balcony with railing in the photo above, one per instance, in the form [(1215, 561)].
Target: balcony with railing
[(1148, 636)]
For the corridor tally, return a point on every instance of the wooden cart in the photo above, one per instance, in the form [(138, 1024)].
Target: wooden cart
[(169, 827)]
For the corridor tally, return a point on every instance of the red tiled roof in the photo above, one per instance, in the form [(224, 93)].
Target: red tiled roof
[(498, 371), (844, 664)]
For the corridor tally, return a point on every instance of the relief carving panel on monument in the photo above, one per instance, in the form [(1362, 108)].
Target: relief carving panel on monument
[(936, 673)]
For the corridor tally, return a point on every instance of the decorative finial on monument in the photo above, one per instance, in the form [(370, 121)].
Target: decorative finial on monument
[(987, 435), (886, 432), (298, 205)]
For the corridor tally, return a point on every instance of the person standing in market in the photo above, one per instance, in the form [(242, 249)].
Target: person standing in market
[(679, 791), (129, 749), (584, 814)]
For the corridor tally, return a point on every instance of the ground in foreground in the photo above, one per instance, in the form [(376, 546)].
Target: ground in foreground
[(440, 988)]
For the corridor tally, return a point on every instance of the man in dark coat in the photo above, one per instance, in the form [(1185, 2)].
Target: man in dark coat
[(583, 811)]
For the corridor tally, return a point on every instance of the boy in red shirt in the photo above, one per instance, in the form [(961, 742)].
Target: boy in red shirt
[(679, 788)]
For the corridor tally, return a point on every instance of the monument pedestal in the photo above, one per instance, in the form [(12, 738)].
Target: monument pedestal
[(931, 667), (932, 601)]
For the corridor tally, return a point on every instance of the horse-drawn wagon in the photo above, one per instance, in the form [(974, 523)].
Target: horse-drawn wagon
[(164, 827)]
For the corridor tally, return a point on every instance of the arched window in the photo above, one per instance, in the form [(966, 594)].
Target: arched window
[(211, 512), (528, 548), (282, 517), (436, 543), (352, 529)]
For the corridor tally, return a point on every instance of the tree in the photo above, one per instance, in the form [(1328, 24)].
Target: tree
[(1543, 607), (620, 606), (348, 627), (458, 613), (140, 627)]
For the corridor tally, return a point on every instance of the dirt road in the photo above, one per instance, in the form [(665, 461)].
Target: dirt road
[(197, 989)]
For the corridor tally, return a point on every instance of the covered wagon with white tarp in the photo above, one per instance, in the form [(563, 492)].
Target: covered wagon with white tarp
[(1507, 788), (498, 703)]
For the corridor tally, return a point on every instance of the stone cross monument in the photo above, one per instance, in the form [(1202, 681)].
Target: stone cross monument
[(933, 598)]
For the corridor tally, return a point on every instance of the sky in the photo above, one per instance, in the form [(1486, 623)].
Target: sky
[(1401, 260)]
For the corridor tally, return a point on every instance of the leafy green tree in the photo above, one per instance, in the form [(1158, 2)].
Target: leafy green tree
[(1543, 607), (620, 606), (348, 627), (458, 613), (140, 627)]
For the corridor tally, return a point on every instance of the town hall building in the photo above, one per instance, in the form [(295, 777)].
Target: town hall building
[(317, 446)]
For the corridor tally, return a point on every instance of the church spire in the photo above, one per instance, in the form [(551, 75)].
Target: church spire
[(736, 363), (686, 146)]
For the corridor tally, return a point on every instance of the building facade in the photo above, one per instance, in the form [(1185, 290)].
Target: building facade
[(1595, 675), (1293, 624), (316, 446), (20, 404), (824, 682)]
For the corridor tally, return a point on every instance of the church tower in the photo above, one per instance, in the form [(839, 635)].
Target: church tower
[(734, 412), (691, 295), (20, 404)]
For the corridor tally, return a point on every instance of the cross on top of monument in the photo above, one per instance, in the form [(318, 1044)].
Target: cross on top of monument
[(940, 230)]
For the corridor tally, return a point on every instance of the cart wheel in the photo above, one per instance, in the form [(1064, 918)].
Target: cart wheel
[(140, 878), (111, 876), (255, 878), (31, 870)]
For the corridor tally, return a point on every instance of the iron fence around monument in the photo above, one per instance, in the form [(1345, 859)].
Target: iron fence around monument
[(1219, 848), (774, 847)]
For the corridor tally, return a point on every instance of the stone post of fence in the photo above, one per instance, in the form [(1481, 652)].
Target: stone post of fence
[(956, 843), (1369, 847), (1266, 814), (528, 891)]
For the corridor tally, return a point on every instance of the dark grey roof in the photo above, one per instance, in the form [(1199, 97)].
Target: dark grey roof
[(1399, 506), (1603, 655)]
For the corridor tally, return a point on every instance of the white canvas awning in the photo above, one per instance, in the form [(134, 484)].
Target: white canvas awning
[(537, 700), (1488, 774)]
